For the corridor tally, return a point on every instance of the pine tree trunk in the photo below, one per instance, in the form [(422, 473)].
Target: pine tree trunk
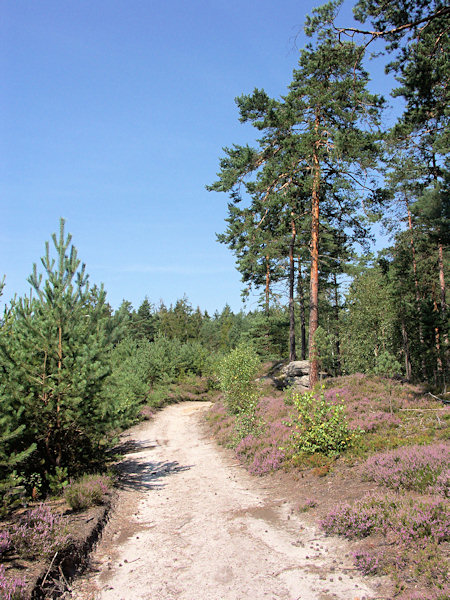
[(292, 353), (58, 405), (301, 301), (267, 290), (437, 338), (314, 284), (440, 370), (416, 284), (406, 351), (336, 318), (443, 310), (442, 286)]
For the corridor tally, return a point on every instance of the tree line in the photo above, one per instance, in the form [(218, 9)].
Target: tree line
[(323, 169)]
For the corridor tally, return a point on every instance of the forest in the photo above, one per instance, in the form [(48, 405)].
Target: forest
[(302, 201), (302, 205)]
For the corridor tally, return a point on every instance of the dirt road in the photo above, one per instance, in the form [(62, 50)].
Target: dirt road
[(193, 525)]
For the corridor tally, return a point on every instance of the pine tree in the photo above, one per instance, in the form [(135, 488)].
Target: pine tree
[(332, 115), (14, 451), (145, 321), (317, 143), (56, 358)]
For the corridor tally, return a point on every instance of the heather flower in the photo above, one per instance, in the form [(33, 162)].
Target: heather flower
[(12, 588), (87, 491), (422, 520), (357, 521), (431, 594), (367, 563), (442, 483), (266, 460), (405, 520), (310, 503), (40, 532), (420, 468), (5, 541)]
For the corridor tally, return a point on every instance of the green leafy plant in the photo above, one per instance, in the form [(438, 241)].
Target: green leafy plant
[(319, 426), (236, 374), (248, 422), (58, 480)]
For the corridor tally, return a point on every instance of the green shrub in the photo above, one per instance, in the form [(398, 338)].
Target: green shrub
[(248, 422), (57, 480), (192, 358), (167, 359), (160, 360), (158, 396), (236, 374), (319, 426), (126, 387)]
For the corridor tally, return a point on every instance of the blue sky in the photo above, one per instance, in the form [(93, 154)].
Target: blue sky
[(113, 116)]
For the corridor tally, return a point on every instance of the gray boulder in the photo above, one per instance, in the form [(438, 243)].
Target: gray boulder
[(292, 374)]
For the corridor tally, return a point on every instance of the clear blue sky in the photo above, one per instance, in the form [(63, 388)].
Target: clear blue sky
[(113, 115)]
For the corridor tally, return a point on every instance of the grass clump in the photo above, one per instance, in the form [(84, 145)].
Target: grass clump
[(89, 490)]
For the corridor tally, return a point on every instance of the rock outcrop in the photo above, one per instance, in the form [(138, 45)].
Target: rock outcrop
[(292, 374)]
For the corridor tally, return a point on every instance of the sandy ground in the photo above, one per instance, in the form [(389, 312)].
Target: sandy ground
[(191, 524)]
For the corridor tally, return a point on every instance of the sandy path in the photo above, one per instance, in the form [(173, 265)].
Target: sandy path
[(192, 525)]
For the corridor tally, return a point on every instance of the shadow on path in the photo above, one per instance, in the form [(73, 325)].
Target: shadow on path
[(141, 476), (132, 446)]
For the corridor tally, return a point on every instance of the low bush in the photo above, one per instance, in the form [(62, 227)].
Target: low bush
[(415, 534), (157, 397), (406, 519), (368, 563), (39, 532), (319, 426), (307, 505), (418, 468), (360, 520), (440, 594), (5, 542), (12, 588), (87, 491), (236, 374)]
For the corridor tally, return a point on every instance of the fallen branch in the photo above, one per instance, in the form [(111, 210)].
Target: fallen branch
[(423, 409), (440, 399), (49, 569)]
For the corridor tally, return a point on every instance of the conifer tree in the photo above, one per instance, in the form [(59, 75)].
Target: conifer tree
[(334, 119), (56, 357), (14, 451), (417, 39), (318, 142)]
